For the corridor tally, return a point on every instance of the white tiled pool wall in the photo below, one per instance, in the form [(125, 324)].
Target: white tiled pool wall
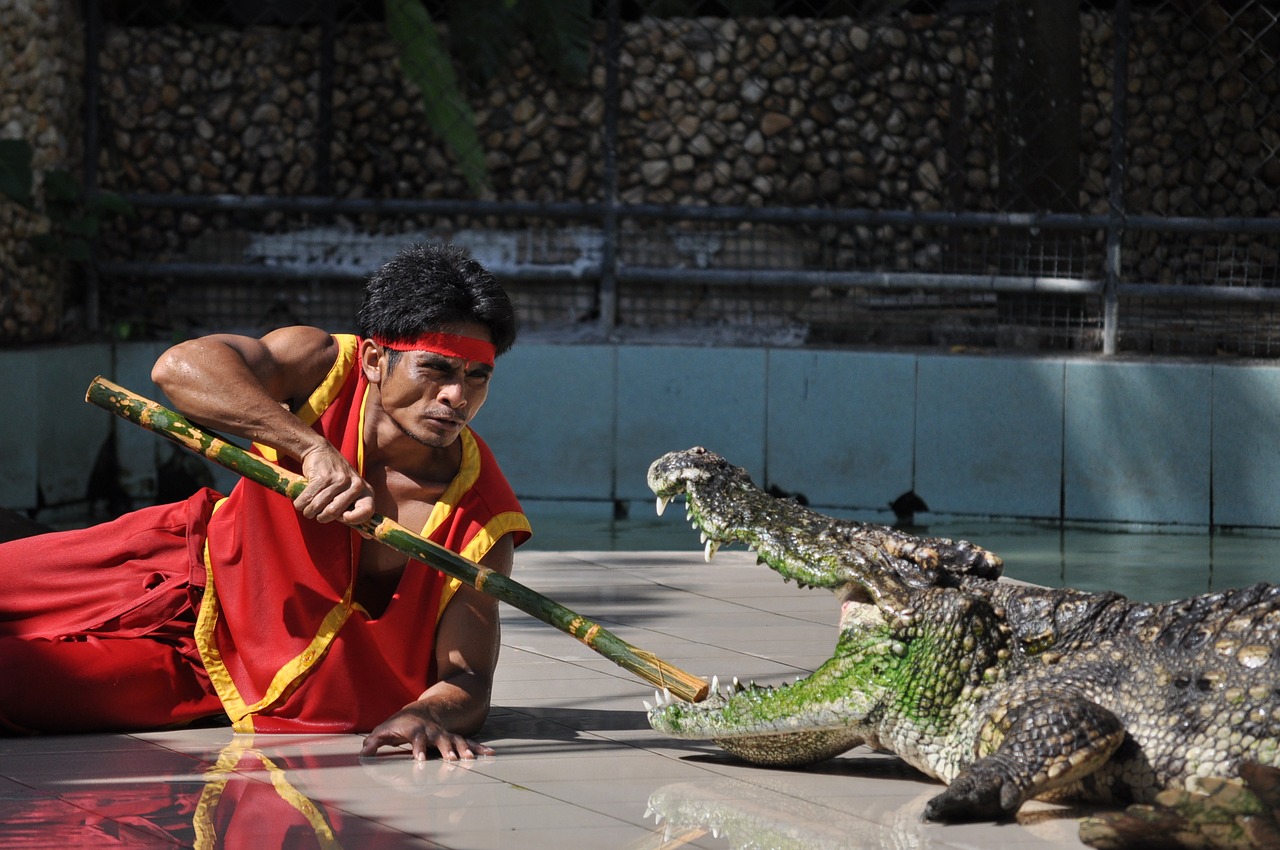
[(1177, 443)]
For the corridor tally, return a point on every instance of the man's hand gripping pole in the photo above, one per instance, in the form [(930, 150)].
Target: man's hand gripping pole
[(173, 426)]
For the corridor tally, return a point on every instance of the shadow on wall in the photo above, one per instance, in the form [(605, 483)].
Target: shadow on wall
[(15, 526)]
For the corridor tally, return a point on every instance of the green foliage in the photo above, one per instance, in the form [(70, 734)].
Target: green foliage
[(75, 217), (482, 34), (426, 63)]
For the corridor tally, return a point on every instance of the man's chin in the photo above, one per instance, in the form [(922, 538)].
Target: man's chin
[(439, 437), (436, 440)]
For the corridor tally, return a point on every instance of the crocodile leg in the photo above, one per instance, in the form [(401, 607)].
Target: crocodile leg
[(1027, 750), (1221, 813)]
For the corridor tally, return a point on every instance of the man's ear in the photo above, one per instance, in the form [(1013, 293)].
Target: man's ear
[(372, 360)]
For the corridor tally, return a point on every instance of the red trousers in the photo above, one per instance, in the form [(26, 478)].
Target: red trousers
[(96, 626)]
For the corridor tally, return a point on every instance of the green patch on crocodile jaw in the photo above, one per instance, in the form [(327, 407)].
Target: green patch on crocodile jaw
[(871, 676), (809, 721)]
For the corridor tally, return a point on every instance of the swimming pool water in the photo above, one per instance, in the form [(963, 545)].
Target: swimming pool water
[(1151, 566)]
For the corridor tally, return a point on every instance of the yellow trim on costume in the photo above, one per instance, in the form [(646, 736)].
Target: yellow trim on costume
[(323, 395), (295, 668), (364, 399), (210, 656), (451, 586), (233, 703), (503, 523), (492, 532), (467, 475)]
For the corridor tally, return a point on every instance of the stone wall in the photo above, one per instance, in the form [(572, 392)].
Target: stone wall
[(893, 114), (41, 51), (897, 114)]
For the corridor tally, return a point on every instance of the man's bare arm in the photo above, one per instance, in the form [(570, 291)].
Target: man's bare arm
[(452, 710), (248, 388)]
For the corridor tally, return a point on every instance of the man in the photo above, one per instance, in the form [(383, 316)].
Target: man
[(280, 616)]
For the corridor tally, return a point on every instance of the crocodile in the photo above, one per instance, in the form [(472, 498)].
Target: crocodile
[(1003, 691)]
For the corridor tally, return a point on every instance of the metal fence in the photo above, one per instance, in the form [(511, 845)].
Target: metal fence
[(1015, 175)]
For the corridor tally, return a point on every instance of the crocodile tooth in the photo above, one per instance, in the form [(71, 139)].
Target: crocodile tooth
[(657, 697), (647, 707), (715, 684), (662, 504), (707, 553), (702, 537)]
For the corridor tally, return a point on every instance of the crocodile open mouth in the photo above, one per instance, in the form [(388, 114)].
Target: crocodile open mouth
[(869, 568), (724, 507)]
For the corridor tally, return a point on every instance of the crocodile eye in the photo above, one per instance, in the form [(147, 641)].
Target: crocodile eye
[(1195, 639)]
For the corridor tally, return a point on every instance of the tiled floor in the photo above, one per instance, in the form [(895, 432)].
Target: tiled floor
[(577, 765)]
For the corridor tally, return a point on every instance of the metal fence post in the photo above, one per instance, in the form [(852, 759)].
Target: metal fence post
[(1116, 205), (609, 252), (324, 114), (92, 145)]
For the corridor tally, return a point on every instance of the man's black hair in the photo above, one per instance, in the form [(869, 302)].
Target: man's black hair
[(426, 288)]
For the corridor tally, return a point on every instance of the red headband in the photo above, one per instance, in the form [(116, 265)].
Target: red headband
[(450, 345)]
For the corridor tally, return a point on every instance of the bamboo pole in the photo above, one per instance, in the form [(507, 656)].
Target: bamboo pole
[(176, 428)]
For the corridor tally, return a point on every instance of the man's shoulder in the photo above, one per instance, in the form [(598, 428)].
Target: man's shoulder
[(299, 339), (337, 380)]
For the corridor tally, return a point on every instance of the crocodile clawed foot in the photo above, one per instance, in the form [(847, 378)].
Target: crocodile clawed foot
[(974, 796)]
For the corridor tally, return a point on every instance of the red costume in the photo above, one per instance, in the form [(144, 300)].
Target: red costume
[(234, 604)]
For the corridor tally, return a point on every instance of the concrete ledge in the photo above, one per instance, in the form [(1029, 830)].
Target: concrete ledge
[(1186, 444)]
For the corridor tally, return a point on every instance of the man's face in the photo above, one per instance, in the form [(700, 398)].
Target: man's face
[(429, 396)]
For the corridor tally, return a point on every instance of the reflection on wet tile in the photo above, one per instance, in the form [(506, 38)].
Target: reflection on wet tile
[(148, 795), (751, 815)]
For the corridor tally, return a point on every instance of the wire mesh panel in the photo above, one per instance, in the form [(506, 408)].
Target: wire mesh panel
[(1201, 143), (1012, 174)]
